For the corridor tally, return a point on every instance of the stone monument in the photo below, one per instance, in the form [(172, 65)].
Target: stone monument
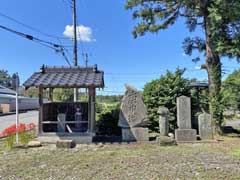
[(61, 122), (205, 126), (163, 121), (133, 118), (78, 119), (184, 131), (164, 139)]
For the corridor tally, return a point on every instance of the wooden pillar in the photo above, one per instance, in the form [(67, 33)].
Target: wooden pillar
[(50, 94), (40, 94), (91, 109)]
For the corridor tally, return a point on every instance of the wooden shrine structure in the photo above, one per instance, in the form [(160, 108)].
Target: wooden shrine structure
[(66, 120)]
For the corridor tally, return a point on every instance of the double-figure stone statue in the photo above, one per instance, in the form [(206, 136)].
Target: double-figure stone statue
[(133, 118)]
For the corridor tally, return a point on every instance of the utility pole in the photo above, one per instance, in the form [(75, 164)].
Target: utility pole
[(85, 55), (75, 57)]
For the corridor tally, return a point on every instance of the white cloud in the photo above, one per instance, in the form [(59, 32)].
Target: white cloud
[(84, 33)]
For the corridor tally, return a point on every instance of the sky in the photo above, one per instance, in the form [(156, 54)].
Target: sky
[(105, 33)]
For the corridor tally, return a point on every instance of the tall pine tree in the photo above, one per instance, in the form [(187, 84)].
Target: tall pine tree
[(220, 21)]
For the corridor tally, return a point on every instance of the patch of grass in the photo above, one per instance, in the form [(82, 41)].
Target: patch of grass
[(123, 161), (236, 152)]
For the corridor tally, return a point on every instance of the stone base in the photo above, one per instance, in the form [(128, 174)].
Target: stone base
[(135, 134), (79, 138), (33, 144), (166, 141), (185, 135), (68, 144)]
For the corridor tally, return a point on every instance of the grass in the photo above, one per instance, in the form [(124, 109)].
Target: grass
[(236, 152), (123, 161)]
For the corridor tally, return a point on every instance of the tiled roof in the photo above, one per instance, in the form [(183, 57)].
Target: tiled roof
[(199, 84), (4, 90), (66, 77)]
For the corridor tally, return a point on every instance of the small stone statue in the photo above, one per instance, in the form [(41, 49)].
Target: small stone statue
[(163, 121), (78, 118)]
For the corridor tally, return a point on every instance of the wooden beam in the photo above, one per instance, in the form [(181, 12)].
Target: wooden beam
[(40, 94), (92, 111), (50, 94), (89, 111)]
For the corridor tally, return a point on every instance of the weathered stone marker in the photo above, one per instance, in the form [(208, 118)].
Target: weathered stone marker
[(61, 122), (185, 131), (133, 117), (163, 121), (205, 126), (184, 112)]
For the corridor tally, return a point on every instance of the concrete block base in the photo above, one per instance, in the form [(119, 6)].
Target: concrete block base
[(78, 138), (135, 134), (185, 135)]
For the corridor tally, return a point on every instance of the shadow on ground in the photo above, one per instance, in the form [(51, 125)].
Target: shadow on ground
[(230, 131)]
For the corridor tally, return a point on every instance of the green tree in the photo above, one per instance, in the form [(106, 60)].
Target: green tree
[(63, 95), (5, 78), (31, 92), (231, 91), (219, 20), (164, 92)]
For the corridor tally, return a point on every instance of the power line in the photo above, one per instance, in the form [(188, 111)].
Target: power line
[(58, 48), (30, 37), (31, 27), (68, 3), (64, 55)]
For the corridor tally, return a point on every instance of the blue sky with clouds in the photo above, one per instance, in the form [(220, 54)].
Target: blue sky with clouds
[(105, 29)]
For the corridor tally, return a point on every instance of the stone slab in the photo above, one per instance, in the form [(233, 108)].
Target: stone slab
[(184, 112), (34, 144), (185, 135), (133, 112), (84, 138), (68, 144), (135, 134), (205, 126)]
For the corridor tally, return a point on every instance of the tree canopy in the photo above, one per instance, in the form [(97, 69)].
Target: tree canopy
[(220, 22), (231, 91), (163, 92), (224, 17), (5, 78)]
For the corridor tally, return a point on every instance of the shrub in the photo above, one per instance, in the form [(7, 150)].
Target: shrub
[(107, 123), (164, 92)]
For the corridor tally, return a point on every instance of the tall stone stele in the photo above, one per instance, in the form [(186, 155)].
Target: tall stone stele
[(163, 121), (205, 126), (133, 118), (184, 131)]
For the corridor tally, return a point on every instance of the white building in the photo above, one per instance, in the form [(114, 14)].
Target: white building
[(7, 97)]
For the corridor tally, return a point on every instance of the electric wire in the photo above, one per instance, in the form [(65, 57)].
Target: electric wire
[(31, 27), (58, 48)]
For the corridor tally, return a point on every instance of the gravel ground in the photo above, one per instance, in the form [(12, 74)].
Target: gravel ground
[(124, 161)]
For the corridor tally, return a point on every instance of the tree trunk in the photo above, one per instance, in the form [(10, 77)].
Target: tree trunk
[(214, 78), (214, 69)]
